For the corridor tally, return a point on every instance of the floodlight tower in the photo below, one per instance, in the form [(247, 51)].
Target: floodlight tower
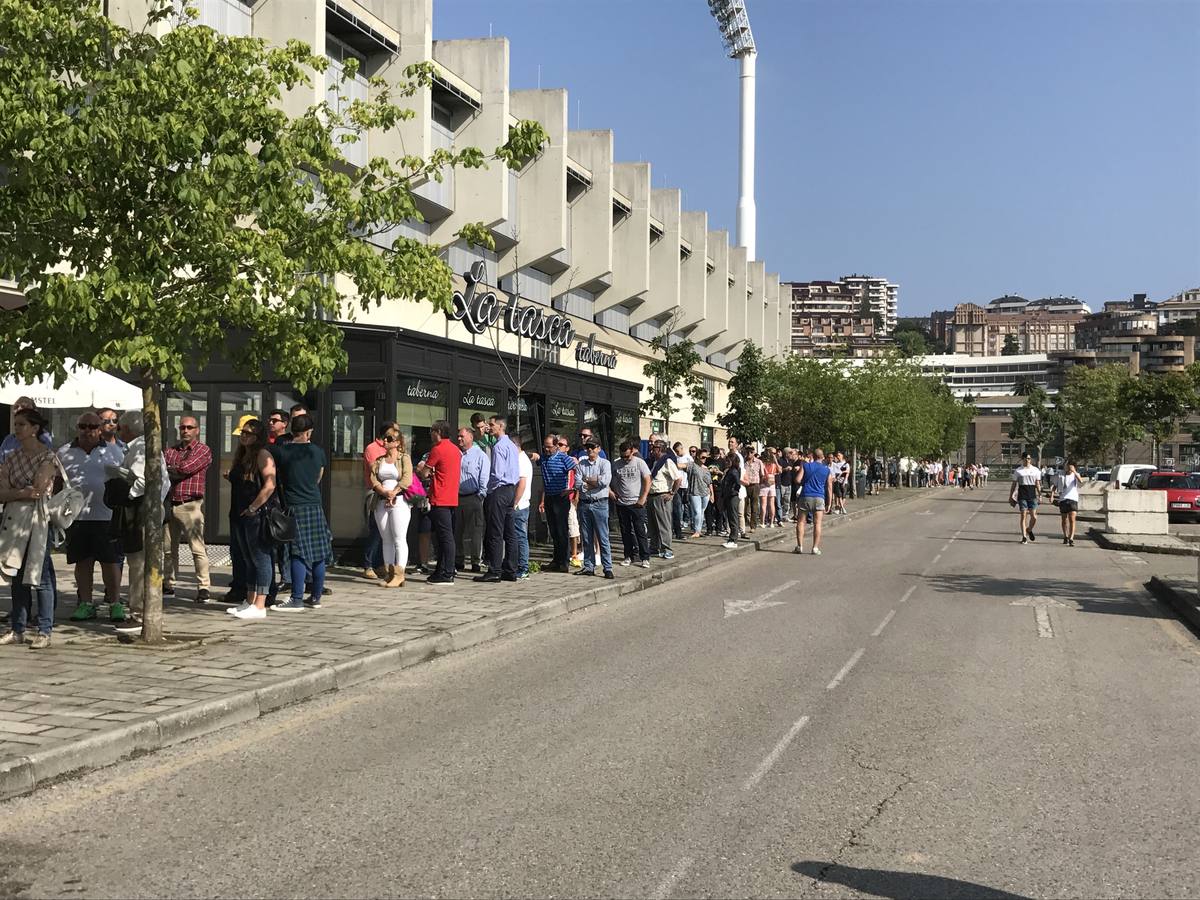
[(734, 22)]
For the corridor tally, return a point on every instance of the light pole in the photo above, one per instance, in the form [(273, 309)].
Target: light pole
[(734, 23)]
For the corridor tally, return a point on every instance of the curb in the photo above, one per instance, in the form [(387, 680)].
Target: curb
[(1183, 601), (26, 773), (1104, 539)]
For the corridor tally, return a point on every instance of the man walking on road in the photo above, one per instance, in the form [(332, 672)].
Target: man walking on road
[(1027, 478), (187, 468), (815, 495)]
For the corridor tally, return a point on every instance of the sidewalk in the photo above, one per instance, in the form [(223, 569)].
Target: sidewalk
[(89, 700)]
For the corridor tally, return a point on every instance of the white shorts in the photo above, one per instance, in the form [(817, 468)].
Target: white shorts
[(572, 522)]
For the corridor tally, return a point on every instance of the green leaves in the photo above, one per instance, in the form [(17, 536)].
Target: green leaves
[(1037, 422), (746, 415), (673, 377)]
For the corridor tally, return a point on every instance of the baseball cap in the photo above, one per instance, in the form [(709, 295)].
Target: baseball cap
[(243, 422)]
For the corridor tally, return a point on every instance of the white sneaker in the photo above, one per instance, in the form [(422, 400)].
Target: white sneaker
[(816, 551), (627, 561), (234, 610), (645, 563), (729, 545), (250, 612)]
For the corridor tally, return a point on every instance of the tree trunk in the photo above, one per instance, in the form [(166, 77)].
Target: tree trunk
[(152, 535)]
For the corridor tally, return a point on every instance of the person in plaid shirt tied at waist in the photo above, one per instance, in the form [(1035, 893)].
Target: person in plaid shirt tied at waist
[(187, 467)]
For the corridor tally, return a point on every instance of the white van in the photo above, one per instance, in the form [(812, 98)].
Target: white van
[(1121, 474)]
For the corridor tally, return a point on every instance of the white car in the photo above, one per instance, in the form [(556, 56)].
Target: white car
[(1126, 471)]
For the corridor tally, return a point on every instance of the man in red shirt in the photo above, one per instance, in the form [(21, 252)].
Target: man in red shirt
[(445, 461), (187, 467), (373, 553)]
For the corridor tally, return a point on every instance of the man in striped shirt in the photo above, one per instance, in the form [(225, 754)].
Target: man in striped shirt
[(556, 466)]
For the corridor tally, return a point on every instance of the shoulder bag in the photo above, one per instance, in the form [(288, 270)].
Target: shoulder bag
[(279, 522), (64, 507)]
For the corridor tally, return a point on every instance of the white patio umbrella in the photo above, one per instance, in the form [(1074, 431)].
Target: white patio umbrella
[(84, 388)]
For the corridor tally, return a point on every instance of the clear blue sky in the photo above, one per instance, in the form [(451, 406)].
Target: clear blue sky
[(964, 149)]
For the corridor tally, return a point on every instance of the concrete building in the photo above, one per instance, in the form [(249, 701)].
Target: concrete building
[(845, 297), (969, 375), (1184, 305), (588, 254), (1041, 326)]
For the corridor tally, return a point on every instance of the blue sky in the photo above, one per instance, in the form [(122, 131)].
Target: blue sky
[(962, 148)]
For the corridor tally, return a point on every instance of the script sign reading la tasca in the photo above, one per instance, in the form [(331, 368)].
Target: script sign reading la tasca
[(480, 311)]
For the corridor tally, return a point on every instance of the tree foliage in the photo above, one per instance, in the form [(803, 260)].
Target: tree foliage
[(1011, 346), (1159, 402), (160, 207), (1037, 421), (672, 376), (1097, 412), (746, 414)]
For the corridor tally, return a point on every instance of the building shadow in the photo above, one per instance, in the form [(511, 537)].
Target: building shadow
[(1081, 595), (900, 885)]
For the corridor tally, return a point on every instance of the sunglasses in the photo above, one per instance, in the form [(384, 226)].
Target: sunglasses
[(108, 422), (188, 427), (276, 419), (87, 427), (390, 438)]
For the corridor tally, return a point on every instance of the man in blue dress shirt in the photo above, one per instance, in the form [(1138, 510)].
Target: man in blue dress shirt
[(475, 471), (499, 507)]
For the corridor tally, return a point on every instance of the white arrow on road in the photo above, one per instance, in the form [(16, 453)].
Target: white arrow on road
[(741, 605), (1041, 610)]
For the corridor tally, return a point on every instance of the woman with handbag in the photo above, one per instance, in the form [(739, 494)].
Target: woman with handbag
[(301, 466), (252, 488), (391, 480), (26, 479)]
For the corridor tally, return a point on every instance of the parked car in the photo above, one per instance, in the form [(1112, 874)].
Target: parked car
[(1102, 475), (1183, 494), (1125, 471), (1139, 479)]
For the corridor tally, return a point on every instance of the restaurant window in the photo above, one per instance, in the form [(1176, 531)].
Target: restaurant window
[(563, 418), (599, 419), (625, 426), (706, 436), (658, 426), (475, 399), (185, 403), (420, 402), (352, 428), (233, 405)]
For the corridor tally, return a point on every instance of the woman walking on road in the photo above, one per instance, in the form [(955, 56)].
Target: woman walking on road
[(1067, 489), (301, 465), (251, 487), (27, 476), (391, 478)]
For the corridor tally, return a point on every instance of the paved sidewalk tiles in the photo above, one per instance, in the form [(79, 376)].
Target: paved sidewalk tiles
[(88, 701)]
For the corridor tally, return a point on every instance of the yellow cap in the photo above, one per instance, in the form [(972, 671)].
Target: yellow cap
[(243, 422)]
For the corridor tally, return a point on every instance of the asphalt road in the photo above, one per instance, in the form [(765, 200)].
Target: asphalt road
[(878, 721)]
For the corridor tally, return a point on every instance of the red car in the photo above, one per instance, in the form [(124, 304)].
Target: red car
[(1183, 493)]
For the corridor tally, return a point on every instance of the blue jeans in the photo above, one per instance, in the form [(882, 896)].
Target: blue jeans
[(521, 517), (699, 505), (373, 554), (28, 597), (256, 557), (593, 525)]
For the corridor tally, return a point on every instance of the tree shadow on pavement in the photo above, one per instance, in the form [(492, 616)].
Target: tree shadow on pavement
[(1081, 595), (900, 885)]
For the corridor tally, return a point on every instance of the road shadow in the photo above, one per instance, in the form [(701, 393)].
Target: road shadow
[(1084, 596), (900, 885)]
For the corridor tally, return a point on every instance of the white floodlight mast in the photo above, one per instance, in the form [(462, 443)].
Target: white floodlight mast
[(734, 23)]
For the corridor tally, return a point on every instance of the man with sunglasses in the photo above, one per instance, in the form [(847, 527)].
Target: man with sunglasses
[(109, 428), (88, 539), (187, 468), (278, 421)]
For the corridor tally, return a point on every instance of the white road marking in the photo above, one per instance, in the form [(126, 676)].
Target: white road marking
[(933, 561), (908, 593), (734, 607), (776, 752), (1043, 622), (663, 891), (883, 624), (1132, 559), (837, 679), (946, 546)]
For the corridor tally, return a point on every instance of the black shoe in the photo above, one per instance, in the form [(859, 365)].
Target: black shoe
[(508, 577), (325, 592), (559, 567), (1030, 533), (168, 591), (609, 575), (1065, 541), (585, 572), (1071, 542), (233, 597), (440, 579), (476, 568), (202, 596), (489, 577)]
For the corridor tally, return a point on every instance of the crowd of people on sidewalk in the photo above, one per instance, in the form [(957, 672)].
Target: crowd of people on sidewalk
[(463, 508)]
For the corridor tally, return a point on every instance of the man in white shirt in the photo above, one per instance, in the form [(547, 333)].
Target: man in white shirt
[(521, 516), (1026, 480)]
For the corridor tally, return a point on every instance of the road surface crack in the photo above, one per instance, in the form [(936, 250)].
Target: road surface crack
[(854, 838)]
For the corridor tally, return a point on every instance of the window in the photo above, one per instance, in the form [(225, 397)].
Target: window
[(710, 396), (341, 95), (544, 351), (706, 436), (1011, 449), (420, 402), (563, 418), (229, 17), (658, 426), (474, 399)]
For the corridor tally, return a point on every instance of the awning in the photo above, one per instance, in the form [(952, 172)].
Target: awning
[(83, 388)]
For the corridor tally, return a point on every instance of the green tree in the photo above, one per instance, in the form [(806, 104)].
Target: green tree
[(161, 207), (1011, 346), (1159, 403), (672, 376), (1097, 413), (1037, 422), (746, 417), (911, 343)]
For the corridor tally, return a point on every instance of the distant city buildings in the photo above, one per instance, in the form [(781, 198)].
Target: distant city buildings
[(1025, 326), (855, 315)]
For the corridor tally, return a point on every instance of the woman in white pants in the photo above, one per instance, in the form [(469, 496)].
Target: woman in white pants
[(391, 477)]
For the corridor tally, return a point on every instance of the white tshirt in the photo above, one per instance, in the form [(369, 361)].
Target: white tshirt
[(525, 470), (1068, 487)]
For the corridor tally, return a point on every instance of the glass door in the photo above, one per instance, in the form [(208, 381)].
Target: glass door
[(353, 418), (231, 404)]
